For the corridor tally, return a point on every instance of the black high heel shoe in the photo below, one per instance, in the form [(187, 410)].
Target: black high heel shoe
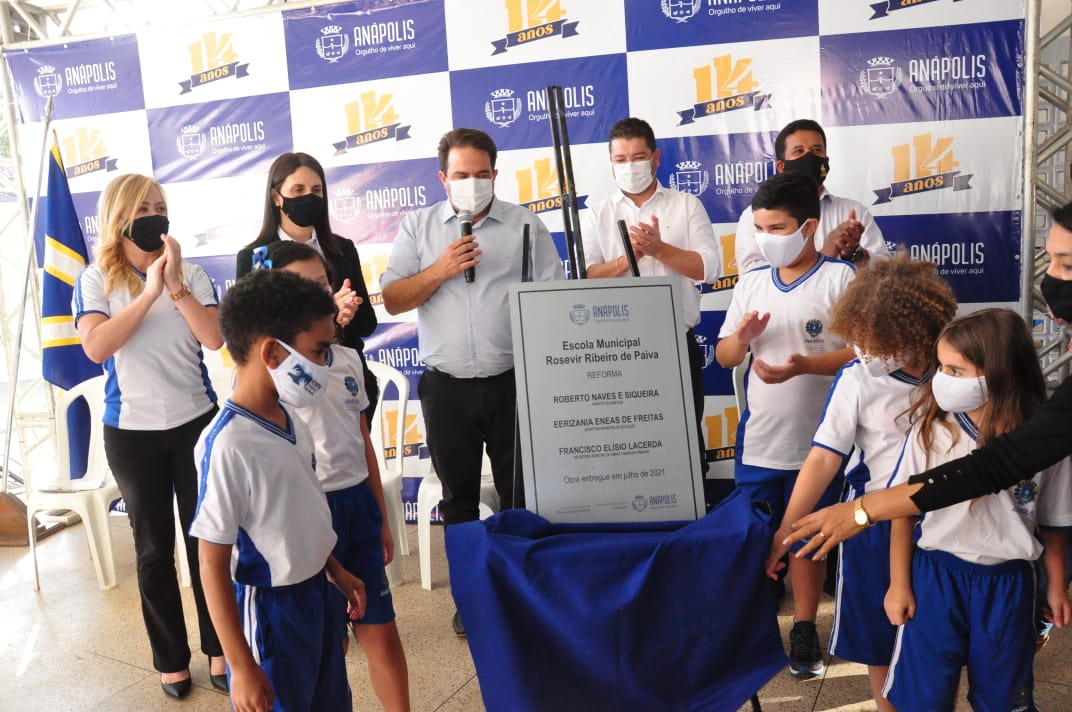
[(179, 689), (218, 681)]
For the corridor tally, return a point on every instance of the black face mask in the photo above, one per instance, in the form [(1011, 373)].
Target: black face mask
[(305, 210), (810, 165), (145, 232), (1058, 296)]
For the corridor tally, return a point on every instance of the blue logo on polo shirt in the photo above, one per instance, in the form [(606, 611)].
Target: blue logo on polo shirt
[(351, 385), (1026, 491), (813, 327)]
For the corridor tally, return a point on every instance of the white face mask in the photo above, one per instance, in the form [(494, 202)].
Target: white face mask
[(633, 177), (299, 381), (959, 395), (781, 250), (877, 366), (472, 194)]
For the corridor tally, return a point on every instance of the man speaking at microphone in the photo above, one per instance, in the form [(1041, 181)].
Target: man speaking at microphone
[(467, 391)]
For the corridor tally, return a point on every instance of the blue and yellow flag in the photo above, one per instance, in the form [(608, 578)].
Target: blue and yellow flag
[(64, 364)]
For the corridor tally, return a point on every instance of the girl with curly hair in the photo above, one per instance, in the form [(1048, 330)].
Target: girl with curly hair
[(891, 314)]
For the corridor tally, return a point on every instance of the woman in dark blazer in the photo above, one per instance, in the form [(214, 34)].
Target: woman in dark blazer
[(295, 209)]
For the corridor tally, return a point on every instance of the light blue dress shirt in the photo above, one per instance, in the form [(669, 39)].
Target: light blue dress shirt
[(463, 329)]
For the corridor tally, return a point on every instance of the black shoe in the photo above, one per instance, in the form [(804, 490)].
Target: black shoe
[(805, 655), (218, 681), (456, 623), (178, 690)]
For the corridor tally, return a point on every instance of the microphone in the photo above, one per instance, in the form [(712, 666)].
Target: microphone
[(623, 232), (465, 219)]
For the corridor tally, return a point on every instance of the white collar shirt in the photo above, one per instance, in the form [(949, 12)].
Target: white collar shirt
[(683, 223), (313, 241), (833, 210)]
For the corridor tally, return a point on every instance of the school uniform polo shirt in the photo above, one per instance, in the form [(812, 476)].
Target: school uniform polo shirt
[(776, 428), (157, 380), (335, 422), (865, 420), (994, 528), (258, 491)]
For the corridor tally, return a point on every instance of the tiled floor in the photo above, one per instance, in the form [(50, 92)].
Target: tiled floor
[(72, 646)]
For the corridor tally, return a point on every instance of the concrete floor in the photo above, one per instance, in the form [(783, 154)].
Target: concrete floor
[(72, 646)]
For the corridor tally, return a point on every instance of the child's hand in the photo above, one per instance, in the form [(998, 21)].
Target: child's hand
[(900, 604), (793, 366), (1060, 605), (777, 551), (354, 589), (388, 544), (250, 689), (751, 326)]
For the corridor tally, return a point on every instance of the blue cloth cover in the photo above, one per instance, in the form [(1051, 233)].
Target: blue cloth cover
[(671, 616)]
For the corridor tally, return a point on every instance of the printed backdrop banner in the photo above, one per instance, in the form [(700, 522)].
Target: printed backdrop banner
[(921, 101), (86, 78)]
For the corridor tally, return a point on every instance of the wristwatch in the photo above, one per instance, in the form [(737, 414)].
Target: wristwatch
[(859, 514), (184, 291)]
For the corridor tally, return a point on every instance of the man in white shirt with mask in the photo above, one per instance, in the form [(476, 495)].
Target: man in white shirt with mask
[(467, 391), (670, 232), (847, 230)]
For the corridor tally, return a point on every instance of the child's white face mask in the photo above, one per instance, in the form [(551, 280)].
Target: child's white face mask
[(299, 381), (876, 366), (959, 395), (781, 250)]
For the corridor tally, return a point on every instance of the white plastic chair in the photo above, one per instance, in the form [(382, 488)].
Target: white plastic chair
[(391, 471), (89, 496), (220, 369), (428, 495)]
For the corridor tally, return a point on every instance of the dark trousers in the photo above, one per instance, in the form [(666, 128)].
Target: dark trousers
[(461, 415), (696, 364), (151, 467)]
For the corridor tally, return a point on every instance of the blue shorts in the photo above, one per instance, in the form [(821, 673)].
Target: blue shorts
[(862, 633), (966, 614), (765, 484), (295, 634), (357, 521)]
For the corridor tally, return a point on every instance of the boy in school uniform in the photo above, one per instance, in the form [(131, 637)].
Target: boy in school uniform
[(780, 312), (261, 512)]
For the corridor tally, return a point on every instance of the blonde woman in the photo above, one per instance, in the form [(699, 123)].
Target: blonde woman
[(145, 315)]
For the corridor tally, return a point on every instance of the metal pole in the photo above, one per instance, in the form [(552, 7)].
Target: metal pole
[(569, 198), (31, 265), (71, 10), (553, 110), (1027, 219), (623, 233)]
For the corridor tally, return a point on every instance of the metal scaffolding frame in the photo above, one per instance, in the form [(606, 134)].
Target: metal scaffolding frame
[(1047, 174)]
